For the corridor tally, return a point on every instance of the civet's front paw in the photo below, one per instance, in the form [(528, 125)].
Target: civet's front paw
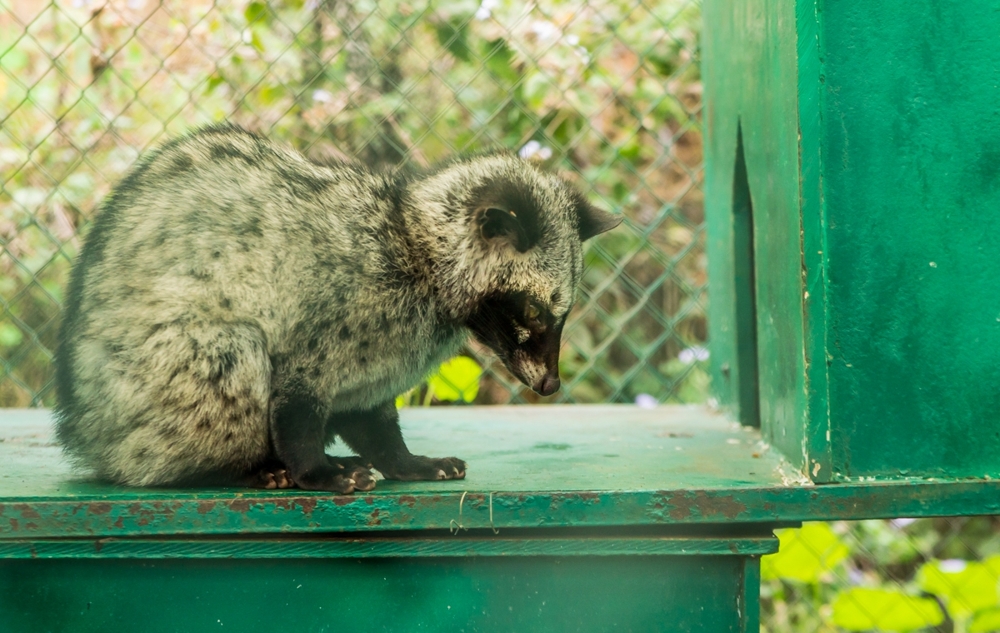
[(419, 468)]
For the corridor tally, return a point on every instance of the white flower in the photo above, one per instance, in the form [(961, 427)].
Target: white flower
[(530, 149), (534, 149), (572, 39), (952, 565), (485, 9), (691, 354), (646, 401), (322, 96), (546, 31)]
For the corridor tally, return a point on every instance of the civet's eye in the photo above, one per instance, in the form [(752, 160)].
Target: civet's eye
[(532, 313)]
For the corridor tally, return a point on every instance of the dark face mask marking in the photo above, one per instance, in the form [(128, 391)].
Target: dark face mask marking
[(496, 324)]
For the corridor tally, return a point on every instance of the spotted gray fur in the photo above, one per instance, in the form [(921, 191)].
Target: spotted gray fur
[(229, 287)]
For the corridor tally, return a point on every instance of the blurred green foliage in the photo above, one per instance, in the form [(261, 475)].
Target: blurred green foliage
[(456, 380), (606, 91), (900, 575)]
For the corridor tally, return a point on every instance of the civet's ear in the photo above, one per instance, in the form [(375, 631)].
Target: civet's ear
[(593, 220), (500, 224)]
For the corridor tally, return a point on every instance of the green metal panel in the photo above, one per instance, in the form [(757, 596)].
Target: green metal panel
[(911, 184), (872, 145), (540, 593)]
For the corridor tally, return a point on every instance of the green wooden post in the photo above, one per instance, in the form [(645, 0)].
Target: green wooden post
[(871, 137)]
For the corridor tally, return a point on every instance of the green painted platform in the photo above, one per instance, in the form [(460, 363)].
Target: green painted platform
[(598, 523), (530, 467), (533, 467), (588, 518)]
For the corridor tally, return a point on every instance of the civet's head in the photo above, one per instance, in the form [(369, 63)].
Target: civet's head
[(519, 255)]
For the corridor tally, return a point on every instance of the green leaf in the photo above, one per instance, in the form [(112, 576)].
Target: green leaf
[(456, 379), (255, 11), (986, 621), (993, 564), (10, 335), (453, 35), (861, 609), (964, 587), (14, 60), (213, 82), (256, 42), (270, 94), (804, 554), (499, 60)]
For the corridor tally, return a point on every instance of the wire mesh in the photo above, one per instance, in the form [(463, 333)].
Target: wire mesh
[(606, 91)]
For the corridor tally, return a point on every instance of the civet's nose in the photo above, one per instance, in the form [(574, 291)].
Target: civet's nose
[(547, 385)]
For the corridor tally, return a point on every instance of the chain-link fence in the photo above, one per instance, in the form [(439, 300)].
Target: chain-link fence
[(606, 91)]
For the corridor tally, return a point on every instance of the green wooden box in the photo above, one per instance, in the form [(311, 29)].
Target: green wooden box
[(571, 519), (853, 205), (589, 518)]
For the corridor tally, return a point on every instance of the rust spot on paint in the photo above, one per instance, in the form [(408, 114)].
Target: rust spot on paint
[(26, 511), (139, 510), (204, 507), (239, 505), (341, 500), (284, 503), (683, 505), (119, 523), (308, 504), (373, 517), (99, 508), (13, 525), (407, 500), (369, 500), (98, 544)]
